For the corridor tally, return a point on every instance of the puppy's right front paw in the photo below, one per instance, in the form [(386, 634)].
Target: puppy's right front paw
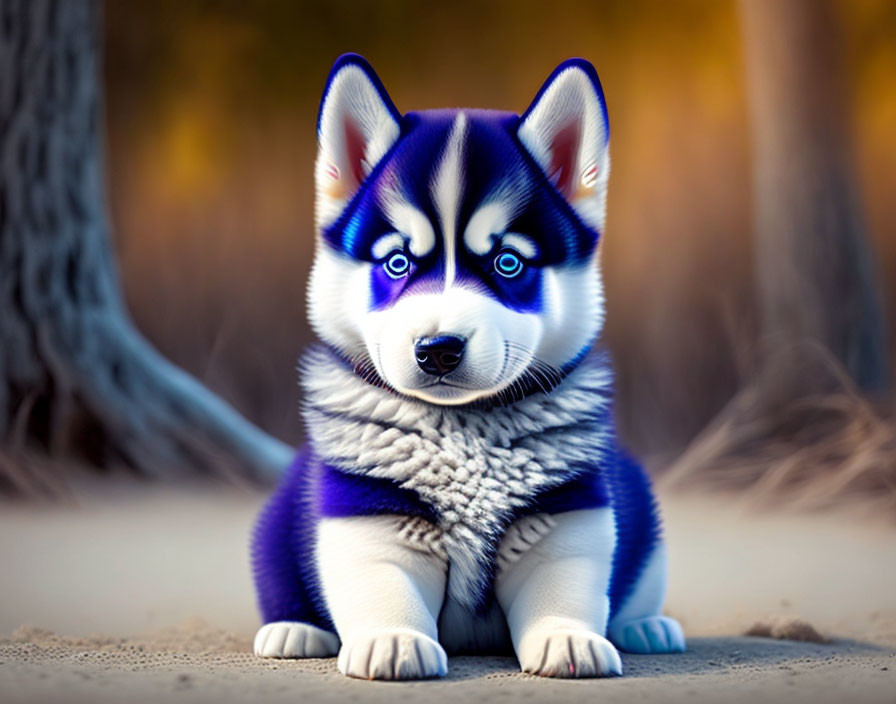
[(293, 639), (392, 654)]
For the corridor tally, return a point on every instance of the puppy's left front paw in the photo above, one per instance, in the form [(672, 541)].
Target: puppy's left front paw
[(569, 653), (392, 654), (654, 634)]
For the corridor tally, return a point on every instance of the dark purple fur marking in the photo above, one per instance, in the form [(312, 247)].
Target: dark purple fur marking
[(283, 541)]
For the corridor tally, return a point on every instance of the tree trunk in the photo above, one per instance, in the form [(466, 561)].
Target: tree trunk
[(816, 281), (75, 375), (801, 431)]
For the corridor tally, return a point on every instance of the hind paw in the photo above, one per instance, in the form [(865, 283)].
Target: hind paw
[(569, 653), (654, 634), (393, 654), (293, 639)]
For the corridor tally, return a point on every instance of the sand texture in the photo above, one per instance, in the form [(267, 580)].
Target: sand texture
[(163, 576)]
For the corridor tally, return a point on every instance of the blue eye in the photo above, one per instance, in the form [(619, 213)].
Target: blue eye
[(397, 265), (508, 264)]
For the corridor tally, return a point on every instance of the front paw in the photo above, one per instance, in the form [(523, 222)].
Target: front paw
[(568, 653), (294, 639), (392, 654), (653, 634)]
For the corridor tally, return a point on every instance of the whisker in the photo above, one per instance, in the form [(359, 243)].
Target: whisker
[(537, 374)]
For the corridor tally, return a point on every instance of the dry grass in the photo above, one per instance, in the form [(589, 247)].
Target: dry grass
[(32, 476), (799, 434), (23, 473), (787, 629), (46, 470)]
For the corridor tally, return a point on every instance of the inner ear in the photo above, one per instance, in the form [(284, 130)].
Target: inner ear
[(564, 153), (566, 131), (356, 127), (355, 148)]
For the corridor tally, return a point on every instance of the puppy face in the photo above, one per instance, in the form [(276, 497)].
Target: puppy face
[(456, 252)]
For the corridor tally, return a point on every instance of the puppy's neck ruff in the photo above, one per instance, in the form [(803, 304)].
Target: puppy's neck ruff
[(477, 468)]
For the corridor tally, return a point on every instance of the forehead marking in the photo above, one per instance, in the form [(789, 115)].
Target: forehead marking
[(407, 219), (490, 222), (520, 243), (447, 189), (411, 222), (489, 219), (386, 244)]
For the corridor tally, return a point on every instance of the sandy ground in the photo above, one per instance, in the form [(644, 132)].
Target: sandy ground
[(162, 576)]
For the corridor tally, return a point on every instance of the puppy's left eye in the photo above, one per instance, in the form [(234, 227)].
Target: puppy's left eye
[(397, 265), (508, 264)]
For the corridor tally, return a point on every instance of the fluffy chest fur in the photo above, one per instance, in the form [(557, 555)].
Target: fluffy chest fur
[(475, 467)]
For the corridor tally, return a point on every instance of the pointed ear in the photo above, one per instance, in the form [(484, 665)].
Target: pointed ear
[(356, 126), (567, 132)]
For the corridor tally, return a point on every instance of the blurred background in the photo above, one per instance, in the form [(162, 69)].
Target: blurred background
[(209, 136), (211, 109)]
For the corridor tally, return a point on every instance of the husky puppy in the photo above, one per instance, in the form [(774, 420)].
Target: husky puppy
[(462, 489)]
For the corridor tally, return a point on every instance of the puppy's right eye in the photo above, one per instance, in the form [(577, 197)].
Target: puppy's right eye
[(397, 265)]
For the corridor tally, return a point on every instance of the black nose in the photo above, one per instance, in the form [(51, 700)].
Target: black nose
[(439, 354)]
